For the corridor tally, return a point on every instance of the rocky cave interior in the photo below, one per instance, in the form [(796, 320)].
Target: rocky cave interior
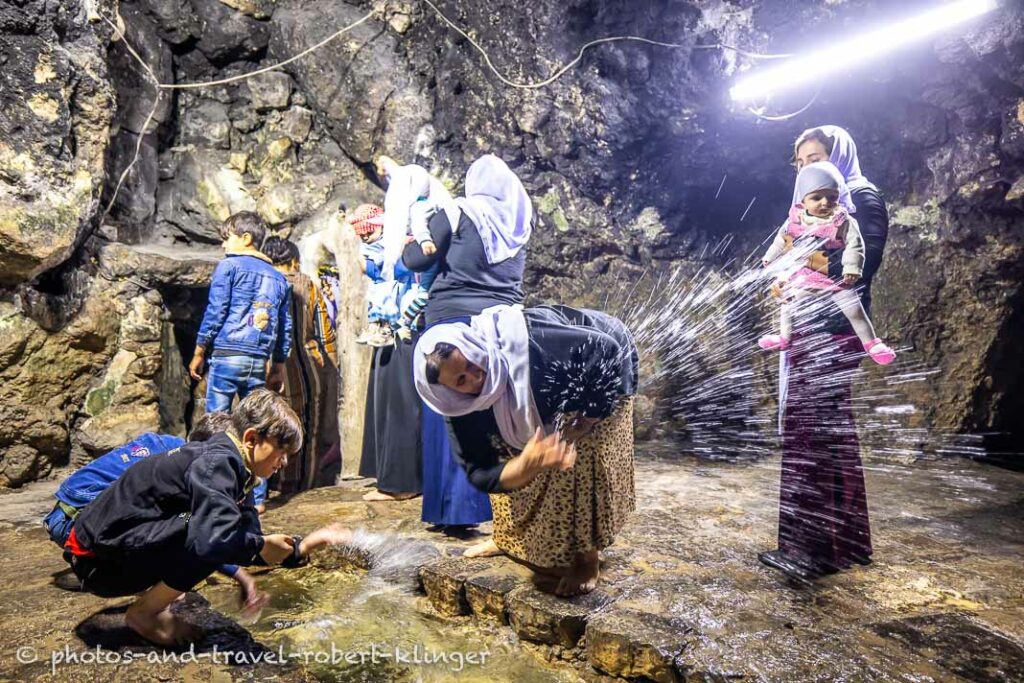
[(637, 162)]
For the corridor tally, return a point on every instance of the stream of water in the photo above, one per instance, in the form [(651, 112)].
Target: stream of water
[(332, 615)]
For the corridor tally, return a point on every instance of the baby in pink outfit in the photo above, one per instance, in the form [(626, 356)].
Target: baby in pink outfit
[(820, 224)]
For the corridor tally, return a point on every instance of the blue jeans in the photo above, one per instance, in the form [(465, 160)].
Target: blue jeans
[(58, 525), (230, 375)]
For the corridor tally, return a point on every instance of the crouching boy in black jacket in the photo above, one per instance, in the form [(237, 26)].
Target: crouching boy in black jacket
[(170, 520)]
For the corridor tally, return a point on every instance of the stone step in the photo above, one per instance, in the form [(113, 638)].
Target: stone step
[(487, 591), (633, 644), (543, 618), (444, 582)]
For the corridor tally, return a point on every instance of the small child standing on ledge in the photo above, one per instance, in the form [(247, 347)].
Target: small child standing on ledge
[(394, 304)]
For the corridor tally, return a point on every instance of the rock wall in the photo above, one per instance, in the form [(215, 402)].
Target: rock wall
[(637, 162), (55, 115)]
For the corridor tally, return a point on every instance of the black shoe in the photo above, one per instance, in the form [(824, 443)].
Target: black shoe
[(801, 570), (862, 560)]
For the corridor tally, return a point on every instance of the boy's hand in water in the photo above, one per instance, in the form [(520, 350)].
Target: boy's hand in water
[(850, 280), (251, 600), (276, 548), (776, 289), (333, 534)]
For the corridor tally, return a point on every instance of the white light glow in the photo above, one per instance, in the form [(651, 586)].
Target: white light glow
[(859, 49)]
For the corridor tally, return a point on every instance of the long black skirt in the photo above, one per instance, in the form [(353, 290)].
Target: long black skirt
[(392, 450)]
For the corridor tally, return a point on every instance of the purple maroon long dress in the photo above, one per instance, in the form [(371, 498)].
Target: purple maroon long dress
[(823, 508)]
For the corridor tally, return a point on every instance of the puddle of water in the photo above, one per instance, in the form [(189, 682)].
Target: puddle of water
[(350, 627)]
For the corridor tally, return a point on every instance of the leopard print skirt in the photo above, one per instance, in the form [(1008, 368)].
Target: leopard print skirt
[(560, 514)]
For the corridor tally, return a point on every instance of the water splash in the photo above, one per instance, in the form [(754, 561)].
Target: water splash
[(697, 326), (390, 558)]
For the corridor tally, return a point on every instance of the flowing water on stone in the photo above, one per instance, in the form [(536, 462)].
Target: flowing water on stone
[(349, 626)]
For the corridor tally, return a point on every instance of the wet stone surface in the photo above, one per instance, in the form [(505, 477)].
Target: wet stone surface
[(543, 618), (445, 583), (634, 644), (682, 597), (960, 645), (487, 592)]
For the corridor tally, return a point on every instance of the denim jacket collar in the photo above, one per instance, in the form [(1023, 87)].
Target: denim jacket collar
[(254, 254)]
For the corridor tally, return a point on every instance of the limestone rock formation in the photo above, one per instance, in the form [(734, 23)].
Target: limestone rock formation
[(371, 100), (44, 379), (55, 113)]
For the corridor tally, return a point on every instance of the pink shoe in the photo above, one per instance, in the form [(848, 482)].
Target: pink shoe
[(880, 352), (773, 342)]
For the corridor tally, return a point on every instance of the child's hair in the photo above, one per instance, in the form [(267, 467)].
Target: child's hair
[(435, 358), (272, 418), (813, 134), (245, 222), (210, 424), (280, 251)]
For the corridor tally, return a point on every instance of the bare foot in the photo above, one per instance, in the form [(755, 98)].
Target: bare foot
[(582, 578), (483, 549), (383, 496), (162, 628)]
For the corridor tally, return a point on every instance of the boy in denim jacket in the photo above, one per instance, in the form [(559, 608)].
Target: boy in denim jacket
[(247, 321)]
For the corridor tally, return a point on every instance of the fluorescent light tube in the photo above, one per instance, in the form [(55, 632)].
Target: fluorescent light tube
[(859, 49)]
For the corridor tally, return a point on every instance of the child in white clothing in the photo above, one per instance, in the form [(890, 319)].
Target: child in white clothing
[(393, 303), (413, 196)]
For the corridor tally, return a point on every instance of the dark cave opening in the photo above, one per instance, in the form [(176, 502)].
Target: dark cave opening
[(180, 396)]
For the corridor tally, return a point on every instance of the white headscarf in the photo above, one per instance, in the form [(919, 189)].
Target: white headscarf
[(499, 207), (844, 157), (497, 341)]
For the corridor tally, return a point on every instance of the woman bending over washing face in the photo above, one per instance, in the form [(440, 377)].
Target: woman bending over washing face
[(539, 408)]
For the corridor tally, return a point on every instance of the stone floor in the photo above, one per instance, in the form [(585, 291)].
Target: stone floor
[(684, 597)]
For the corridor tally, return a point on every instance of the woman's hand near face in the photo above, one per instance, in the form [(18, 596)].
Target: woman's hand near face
[(541, 453)]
